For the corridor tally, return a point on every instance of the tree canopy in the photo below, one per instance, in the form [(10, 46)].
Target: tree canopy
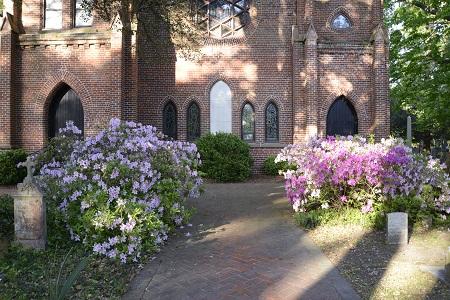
[(420, 62), (161, 21)]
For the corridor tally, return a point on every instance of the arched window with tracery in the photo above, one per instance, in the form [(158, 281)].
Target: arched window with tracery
[(170, 120), (248, 123), (272, 123), (193, 122), (222, 18)]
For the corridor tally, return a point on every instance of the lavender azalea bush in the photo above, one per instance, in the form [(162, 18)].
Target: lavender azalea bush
[(121, 192), (350, 172)]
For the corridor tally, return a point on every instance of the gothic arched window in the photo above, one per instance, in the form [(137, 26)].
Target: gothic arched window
[(248, 123), (170, 120), (272, 132), (220, 108), (222, 18), (342, 119), (193, 122), (341, 22)]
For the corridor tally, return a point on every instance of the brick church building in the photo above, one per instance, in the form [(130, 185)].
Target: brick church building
[(272, 72)]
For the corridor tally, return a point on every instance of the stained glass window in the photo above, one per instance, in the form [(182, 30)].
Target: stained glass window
[(193, 122), (248, 123), (341, 22), (170, 120), (222, 18), (342, 118), (272, 123)]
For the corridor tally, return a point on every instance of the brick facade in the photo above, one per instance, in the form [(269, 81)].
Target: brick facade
[(288, 53)]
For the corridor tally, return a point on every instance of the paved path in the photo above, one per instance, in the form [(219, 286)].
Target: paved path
[(244, 245)]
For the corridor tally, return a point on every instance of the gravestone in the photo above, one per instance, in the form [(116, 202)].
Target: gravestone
[(397, 228), (29, 212)]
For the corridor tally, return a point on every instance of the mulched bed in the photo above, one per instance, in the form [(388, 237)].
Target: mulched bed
[(380, 271)]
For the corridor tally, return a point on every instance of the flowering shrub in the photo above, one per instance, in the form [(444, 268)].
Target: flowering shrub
[(121, 192), (338, 172)]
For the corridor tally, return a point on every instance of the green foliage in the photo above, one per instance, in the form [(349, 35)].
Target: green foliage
[(6, 216), (333, 217), (270, 167), (420, 62), (225, 157), (9, 173), (29, 274)]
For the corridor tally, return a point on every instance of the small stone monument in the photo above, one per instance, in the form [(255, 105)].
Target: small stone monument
[(397, 228), (29, 211), (408, 131)]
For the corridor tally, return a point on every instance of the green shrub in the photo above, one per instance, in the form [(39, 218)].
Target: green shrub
[(270, 167), (9, 173), (225, 157), (334, 217), (6, 216)]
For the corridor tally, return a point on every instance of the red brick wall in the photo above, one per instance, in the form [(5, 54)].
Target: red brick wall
[(267, 61)]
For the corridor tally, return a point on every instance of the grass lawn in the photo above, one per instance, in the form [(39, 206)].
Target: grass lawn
[(380, 271)]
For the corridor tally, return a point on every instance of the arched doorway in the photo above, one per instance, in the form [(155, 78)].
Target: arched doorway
[(342, 118), (65, 106)]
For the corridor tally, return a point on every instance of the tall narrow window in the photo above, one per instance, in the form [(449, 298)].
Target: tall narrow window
[(82, 17), (342, 118), (248, 123), (272, 131), (170, 120), (53, 14), (193, 122), (220, 108)]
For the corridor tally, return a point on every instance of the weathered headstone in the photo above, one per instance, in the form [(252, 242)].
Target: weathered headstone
[(29, 212), (397, 228)]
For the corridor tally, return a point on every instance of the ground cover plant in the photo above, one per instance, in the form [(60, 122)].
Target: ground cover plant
[(9, 172), (340, 173), (112, 201), (225, 157)]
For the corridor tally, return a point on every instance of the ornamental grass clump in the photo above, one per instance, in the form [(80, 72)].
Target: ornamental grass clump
[(122, 191), (351, 172)]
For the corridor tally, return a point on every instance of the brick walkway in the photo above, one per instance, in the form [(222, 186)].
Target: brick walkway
[(243, 245)]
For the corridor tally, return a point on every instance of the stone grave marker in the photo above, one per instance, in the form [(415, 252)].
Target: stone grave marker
[(29, 212), (397, 228)]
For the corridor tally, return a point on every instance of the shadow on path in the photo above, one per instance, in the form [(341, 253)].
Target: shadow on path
[(244, 245)]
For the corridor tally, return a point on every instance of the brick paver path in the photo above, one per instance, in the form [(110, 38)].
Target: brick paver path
[(243, 245)]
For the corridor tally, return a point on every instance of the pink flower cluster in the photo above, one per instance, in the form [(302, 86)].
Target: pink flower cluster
[(351, 171)]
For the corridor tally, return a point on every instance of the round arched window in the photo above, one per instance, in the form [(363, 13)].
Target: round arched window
[(222, 18)]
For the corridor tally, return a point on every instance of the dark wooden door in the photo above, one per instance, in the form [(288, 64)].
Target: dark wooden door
[(66, 106), (342, 118)]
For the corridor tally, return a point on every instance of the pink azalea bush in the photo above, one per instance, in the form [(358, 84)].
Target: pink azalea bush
[(121, 191), (351, 172)]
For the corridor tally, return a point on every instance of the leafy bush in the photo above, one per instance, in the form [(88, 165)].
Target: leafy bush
[(6, 216), (225, 157), (270, 167), (9, 172), (122, 191), (333, 217), (349, 172)]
